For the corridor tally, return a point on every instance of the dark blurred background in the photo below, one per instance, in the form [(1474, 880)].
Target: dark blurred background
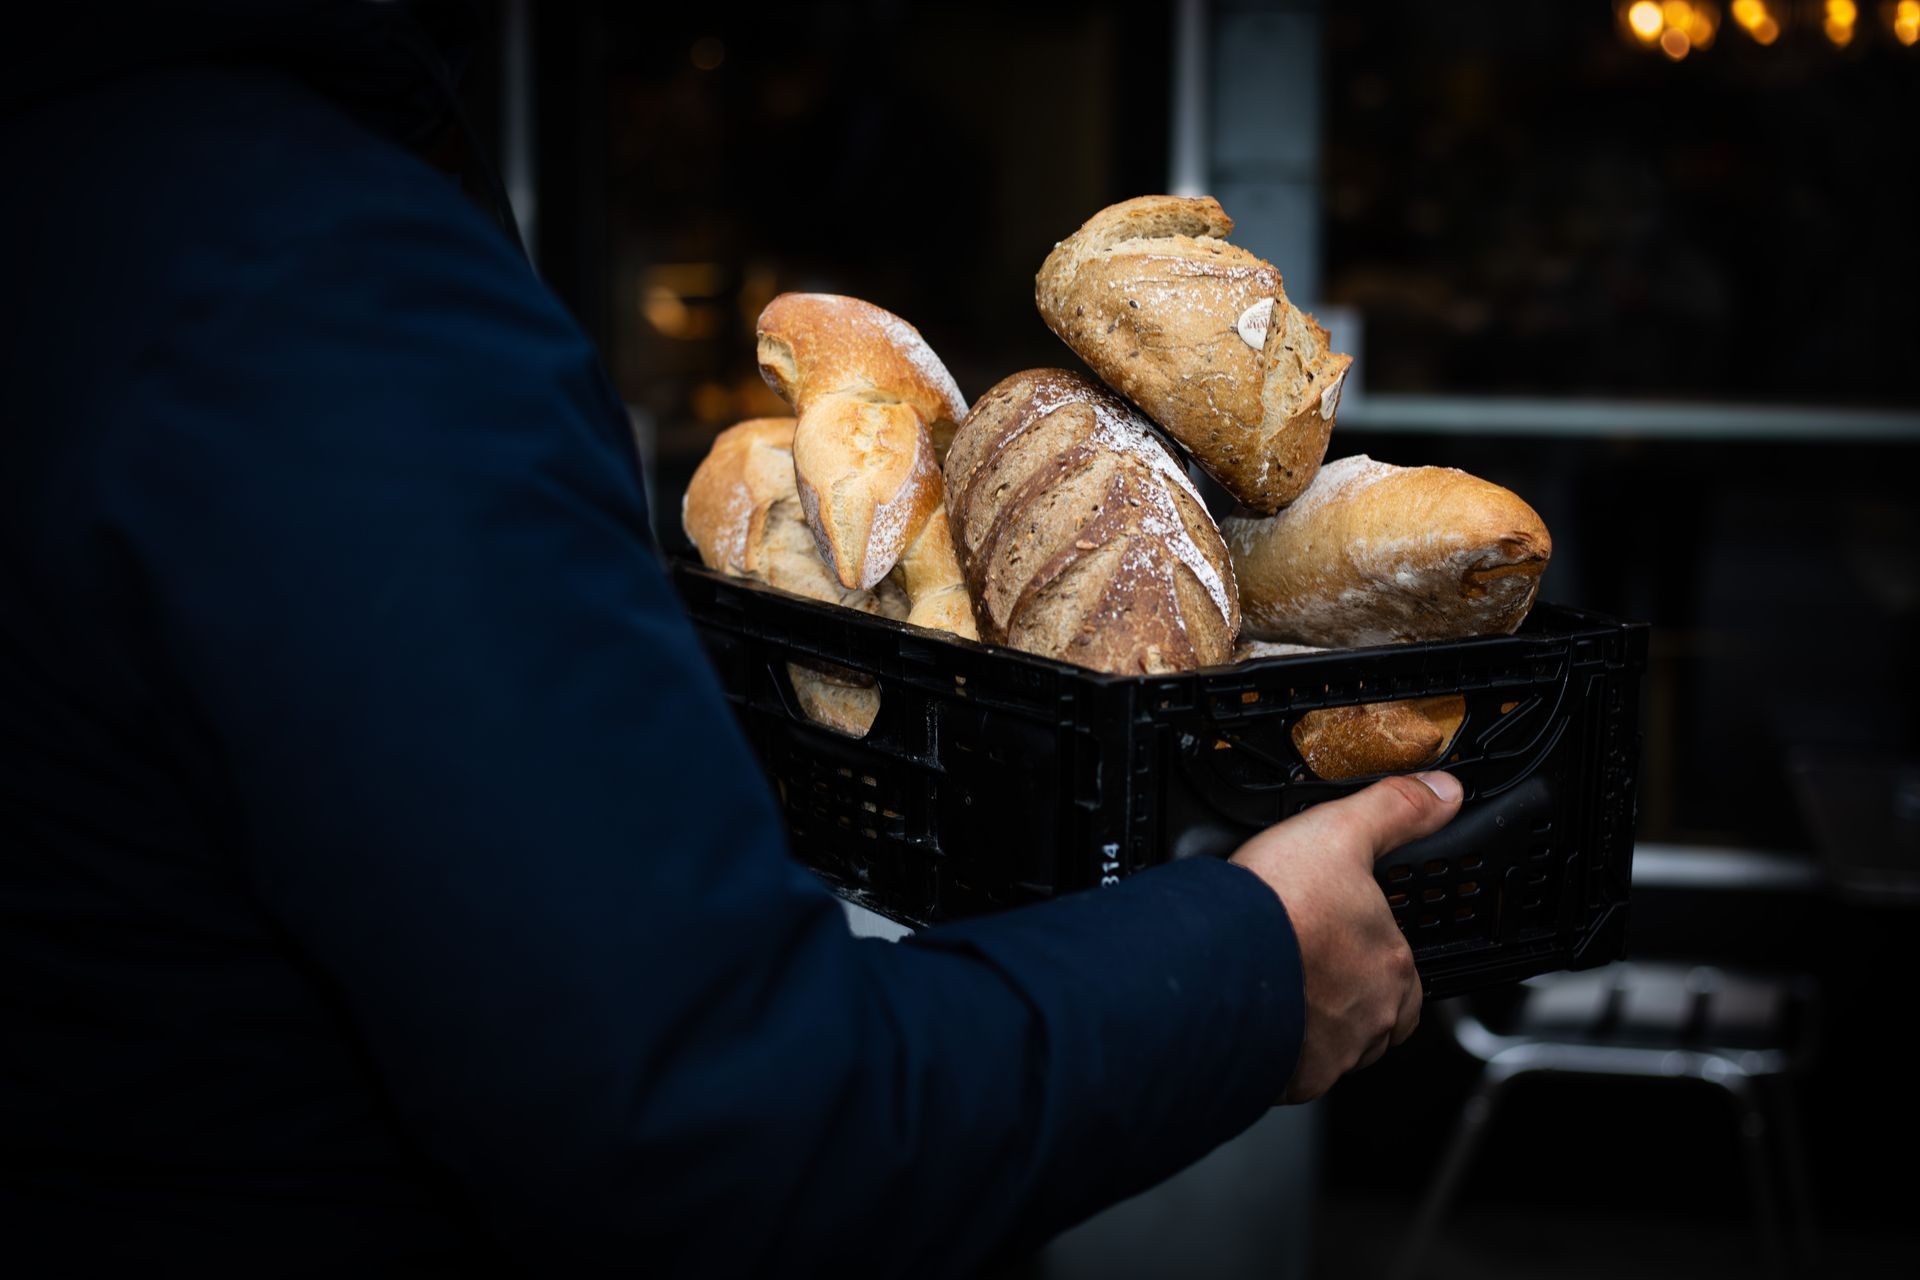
[(1653, 266)]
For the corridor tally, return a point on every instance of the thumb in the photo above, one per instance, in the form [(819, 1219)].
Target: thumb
[(1399, 810)]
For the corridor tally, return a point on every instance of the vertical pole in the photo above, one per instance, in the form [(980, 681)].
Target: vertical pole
[(518, 170), (1187, 168)]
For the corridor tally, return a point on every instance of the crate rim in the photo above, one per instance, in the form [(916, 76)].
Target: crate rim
[(1586, 622)]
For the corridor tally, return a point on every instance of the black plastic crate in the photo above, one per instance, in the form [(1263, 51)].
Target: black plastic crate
[(992, 778)]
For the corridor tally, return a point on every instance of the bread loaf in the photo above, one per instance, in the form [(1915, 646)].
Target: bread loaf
[(842, 700), (1338, 743), (1199, 333), (743, 514), (1373, 553), (873, 400), (1080, 534)]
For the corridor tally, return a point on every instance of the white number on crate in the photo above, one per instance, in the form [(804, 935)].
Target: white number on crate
[(1110, 864)]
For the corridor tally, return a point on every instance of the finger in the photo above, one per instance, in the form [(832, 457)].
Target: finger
[(1409, 1017), (1396, 811), (1375, 1051)]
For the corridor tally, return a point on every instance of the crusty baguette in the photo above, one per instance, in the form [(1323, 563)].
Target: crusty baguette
[(1338, 743), (868, 482), (929, 570), (1081, 537), (1200, 334), (1374, 553), (874, 403), (814, 345)]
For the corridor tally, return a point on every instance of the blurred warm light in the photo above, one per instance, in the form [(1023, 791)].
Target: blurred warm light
[(758, 286), (703, 278), (1757, 18), (707, 53), (1703, 26), (666, 311), (1839, 20), (1903, 20), (712, 402), (1675, 27), (674, 298)]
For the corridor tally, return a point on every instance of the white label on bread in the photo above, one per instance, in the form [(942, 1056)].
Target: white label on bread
[(1330, 397), (1253, 324)]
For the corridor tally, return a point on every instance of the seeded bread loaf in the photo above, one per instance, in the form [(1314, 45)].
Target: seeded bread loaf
[(1200, 334), (1080, 534), (1372, 553)]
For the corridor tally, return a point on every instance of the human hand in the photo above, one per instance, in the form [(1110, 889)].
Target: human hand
[(1363, 995)]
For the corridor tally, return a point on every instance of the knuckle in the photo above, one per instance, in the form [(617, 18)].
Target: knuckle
[(1412, 798)]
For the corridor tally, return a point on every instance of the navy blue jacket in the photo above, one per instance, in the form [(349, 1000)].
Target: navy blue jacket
[(384, 886)]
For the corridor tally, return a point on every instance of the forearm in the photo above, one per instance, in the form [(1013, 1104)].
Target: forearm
[(914, 1108)]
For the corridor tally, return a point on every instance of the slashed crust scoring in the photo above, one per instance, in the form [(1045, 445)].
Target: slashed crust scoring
[(1081, 536), (743, 514), (874, 403), (1373, 553), (1150, 294)]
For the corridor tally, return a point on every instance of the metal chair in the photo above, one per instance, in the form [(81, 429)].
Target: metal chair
[(1748, 1034)]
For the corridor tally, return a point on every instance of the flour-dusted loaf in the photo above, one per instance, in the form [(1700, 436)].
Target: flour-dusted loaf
[(743, 514), (1080, 534), (874, 403), (1373, 553), (1200, 334)]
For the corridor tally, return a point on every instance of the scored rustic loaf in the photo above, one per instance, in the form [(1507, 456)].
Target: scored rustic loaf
[(1373, 553), (1200, 334), (1081, 537), (874, 403)]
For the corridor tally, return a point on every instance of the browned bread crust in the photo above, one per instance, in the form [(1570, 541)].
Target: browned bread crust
[(1374, 553), (829, 694), (743, 514), (1338, 743), (1200, 334), (813, 345), (874, 404), (1081, 536)]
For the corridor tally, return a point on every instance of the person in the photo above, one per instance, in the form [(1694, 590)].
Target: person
[(384, 885)]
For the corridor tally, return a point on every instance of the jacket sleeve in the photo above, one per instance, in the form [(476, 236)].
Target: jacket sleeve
[(385, 507)]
